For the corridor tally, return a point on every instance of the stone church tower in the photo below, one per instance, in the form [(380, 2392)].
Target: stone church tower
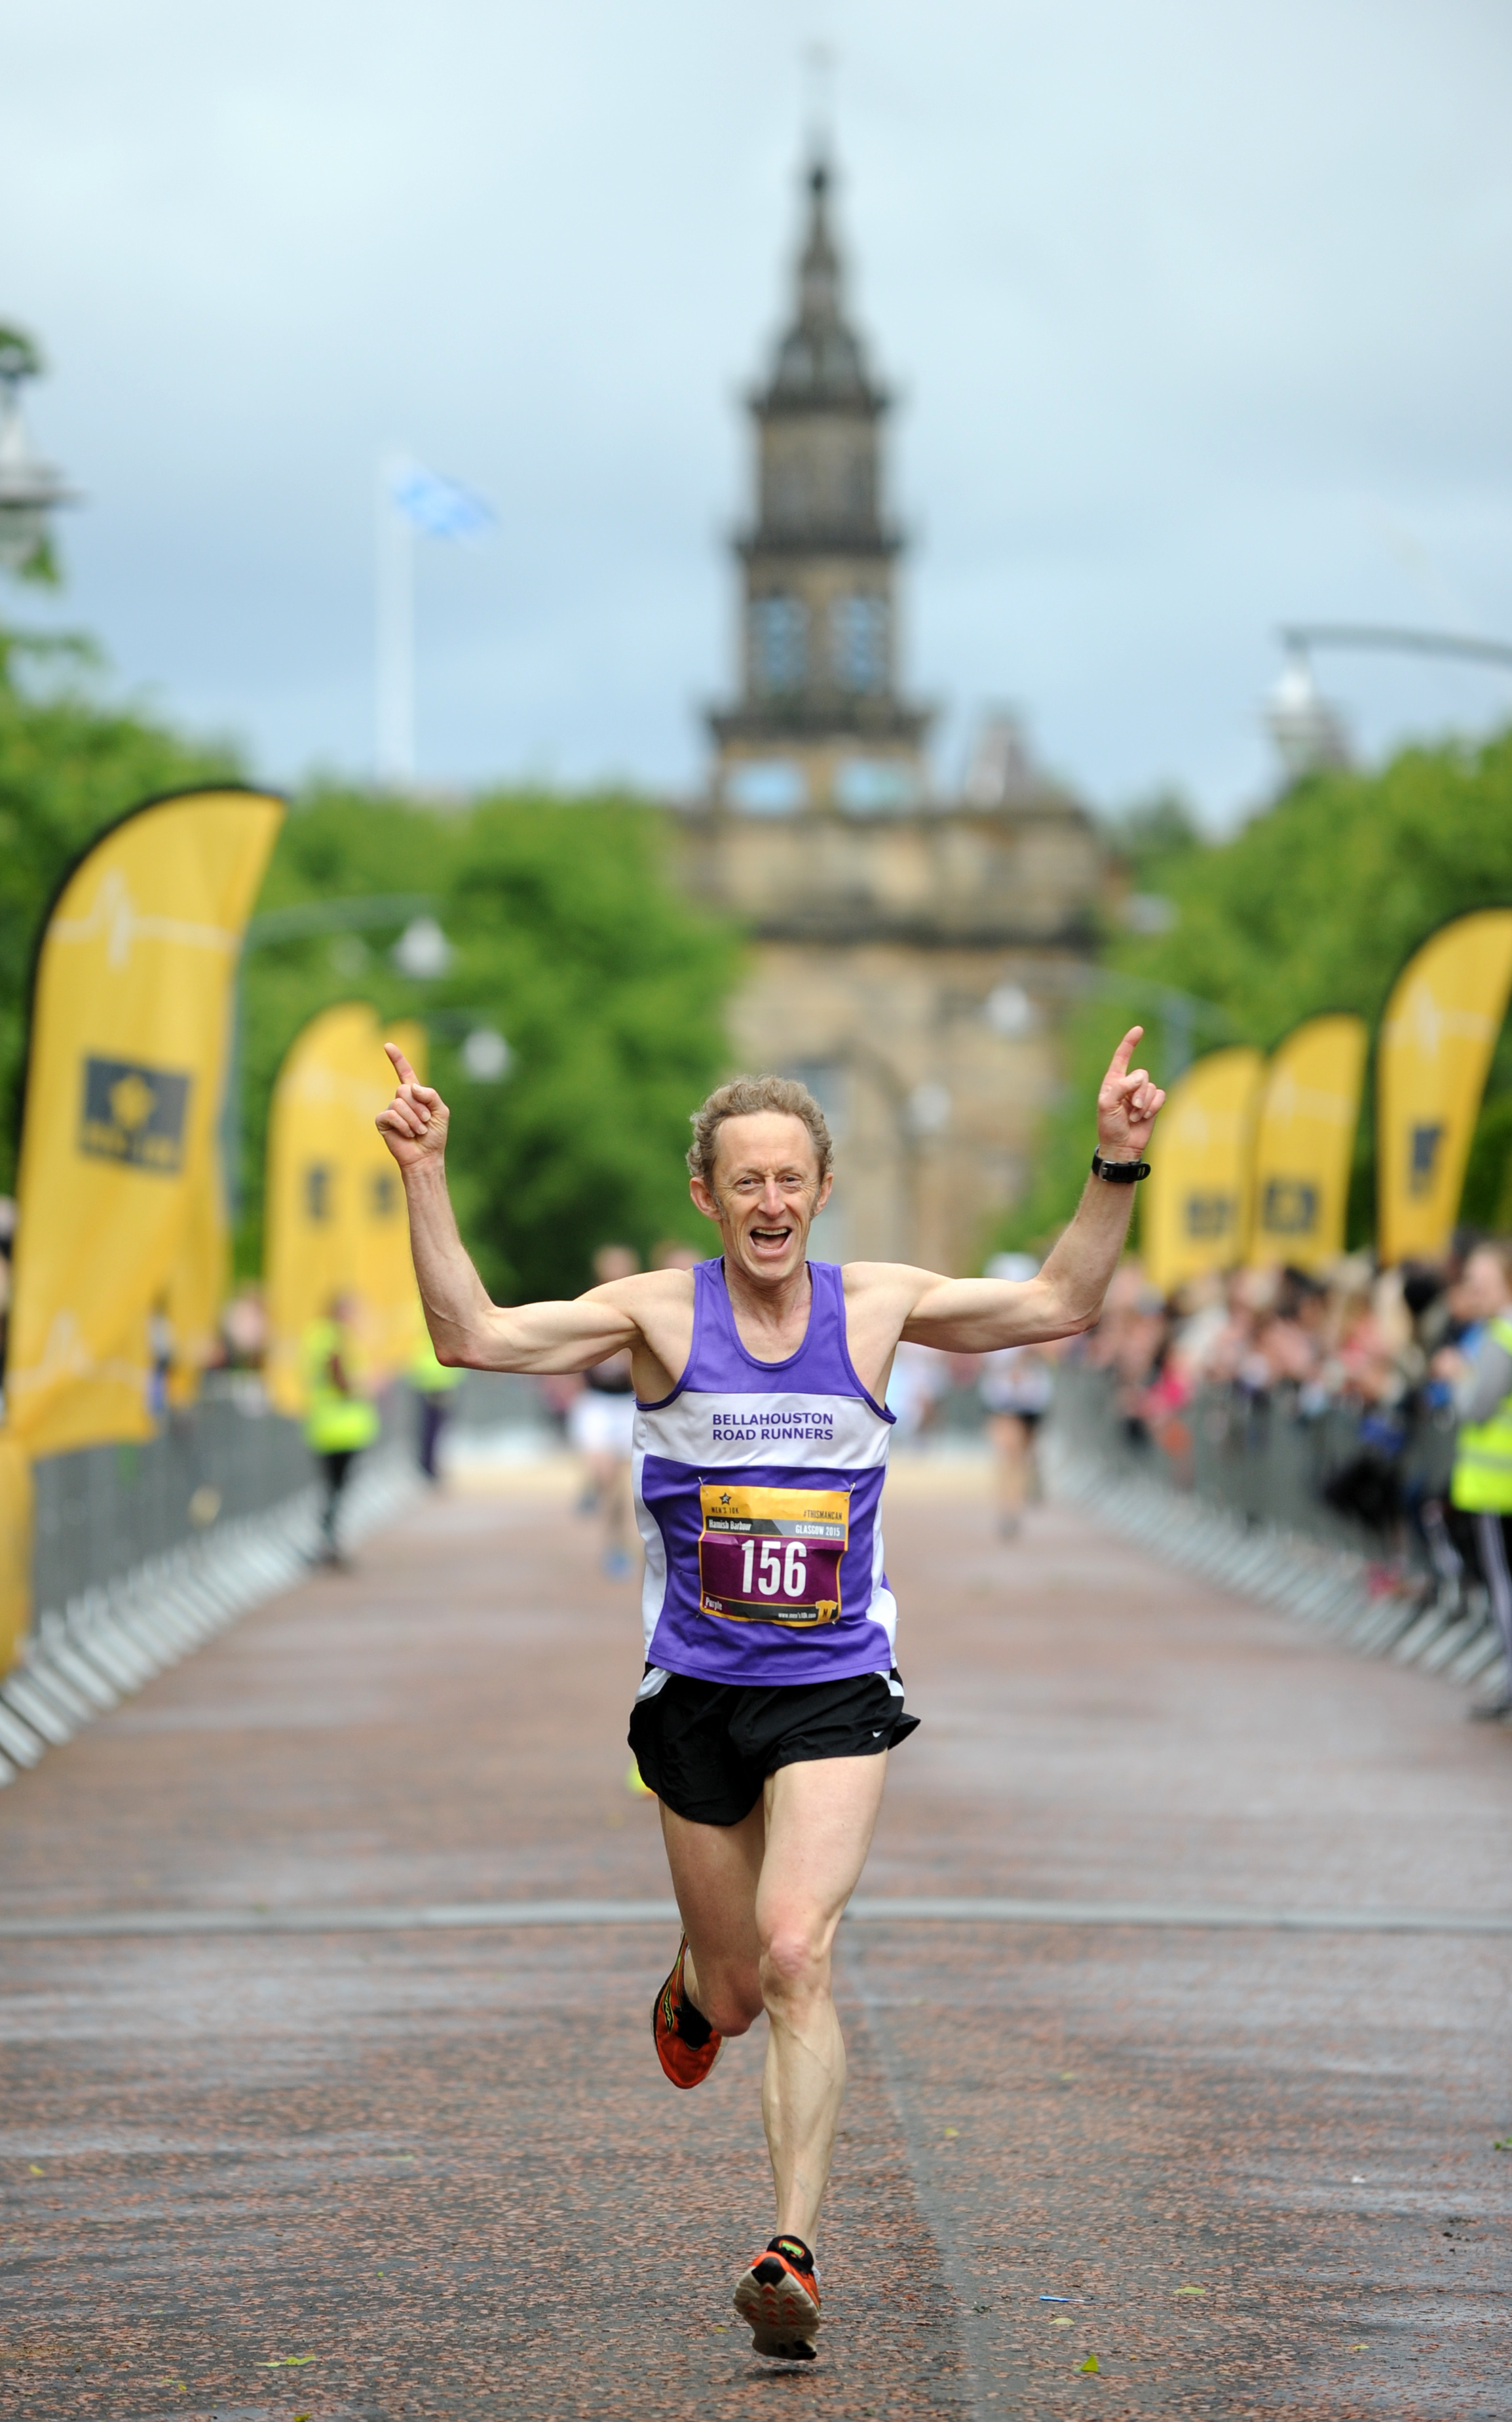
[(819, 723), (910, 956)]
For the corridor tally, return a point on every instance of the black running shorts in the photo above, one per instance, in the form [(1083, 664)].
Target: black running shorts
[(707, 1748)]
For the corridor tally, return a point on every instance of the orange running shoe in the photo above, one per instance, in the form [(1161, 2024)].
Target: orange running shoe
[(686, 2045), (779, 2297)]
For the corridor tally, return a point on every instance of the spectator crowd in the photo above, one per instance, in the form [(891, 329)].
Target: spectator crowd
[(1401, 1380)]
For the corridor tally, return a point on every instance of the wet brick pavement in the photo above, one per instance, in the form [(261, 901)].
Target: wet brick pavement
[(376, 2175)]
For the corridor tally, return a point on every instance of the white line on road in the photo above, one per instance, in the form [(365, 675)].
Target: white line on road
[(494, 1915)]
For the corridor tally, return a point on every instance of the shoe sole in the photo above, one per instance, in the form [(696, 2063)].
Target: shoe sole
[(684, 2084), (782, 2319)]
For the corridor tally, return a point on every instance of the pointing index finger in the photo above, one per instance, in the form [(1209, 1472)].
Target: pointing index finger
[(401, 1068), (1125, 1052)]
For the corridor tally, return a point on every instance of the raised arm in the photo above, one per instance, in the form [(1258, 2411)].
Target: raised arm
[(466, 1328), (973, 1316)]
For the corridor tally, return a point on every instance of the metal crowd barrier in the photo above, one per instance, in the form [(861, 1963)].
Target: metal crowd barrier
[(1262, 1497), (1270, 1462), (104, 1509), (142, 1552)]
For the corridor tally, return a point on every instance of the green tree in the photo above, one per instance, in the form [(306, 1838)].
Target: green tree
[(21, 359), (569, 934), (1314, 904), (570, 938)]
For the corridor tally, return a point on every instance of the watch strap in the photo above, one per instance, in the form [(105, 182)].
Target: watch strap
[(1120, 1172)]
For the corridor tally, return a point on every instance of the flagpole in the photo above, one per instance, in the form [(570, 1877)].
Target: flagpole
[(394, 636)]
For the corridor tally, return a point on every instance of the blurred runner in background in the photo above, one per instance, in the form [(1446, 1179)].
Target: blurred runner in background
[(601, 1423), (245, 1328), (1016, 1385), (672, 1254), (920, 1377), (433, 1385), (340, 1420)]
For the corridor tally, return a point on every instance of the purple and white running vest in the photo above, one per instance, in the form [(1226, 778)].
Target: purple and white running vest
[(756, 1493)]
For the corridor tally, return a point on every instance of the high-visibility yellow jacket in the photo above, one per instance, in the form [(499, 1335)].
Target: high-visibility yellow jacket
[(1482, 1481), (430, 1378), (336, 1420)]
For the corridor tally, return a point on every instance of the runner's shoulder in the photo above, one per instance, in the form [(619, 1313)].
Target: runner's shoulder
[(899, 1282), (645, 1294)]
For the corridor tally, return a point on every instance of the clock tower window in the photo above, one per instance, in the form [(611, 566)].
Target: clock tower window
[(858, 644), (779, 645)]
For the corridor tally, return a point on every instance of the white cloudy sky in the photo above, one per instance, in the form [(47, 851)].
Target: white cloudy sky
[(1199, 309)]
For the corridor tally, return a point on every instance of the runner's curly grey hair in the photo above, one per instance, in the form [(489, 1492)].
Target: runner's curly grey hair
[(741, 1098)]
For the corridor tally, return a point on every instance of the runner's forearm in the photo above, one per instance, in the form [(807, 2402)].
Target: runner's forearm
[(1077, 1274), (462, 1321)]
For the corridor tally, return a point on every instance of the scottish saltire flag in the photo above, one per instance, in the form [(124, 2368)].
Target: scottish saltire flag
[(436, 506)]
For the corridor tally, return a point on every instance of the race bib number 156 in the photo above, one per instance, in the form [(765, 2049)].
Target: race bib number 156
[(772, 1555)]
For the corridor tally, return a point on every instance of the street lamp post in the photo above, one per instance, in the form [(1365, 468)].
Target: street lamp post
[(1306, 728)]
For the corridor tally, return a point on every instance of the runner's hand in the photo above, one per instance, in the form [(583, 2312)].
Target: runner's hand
[(414, 1125), (1128, 1102)]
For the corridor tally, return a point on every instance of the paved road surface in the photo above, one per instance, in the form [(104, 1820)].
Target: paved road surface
[(377, 2175)]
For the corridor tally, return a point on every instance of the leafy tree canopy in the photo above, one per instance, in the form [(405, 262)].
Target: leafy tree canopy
[(20, 355), (567, 935), (570, 939), (1314, 904)]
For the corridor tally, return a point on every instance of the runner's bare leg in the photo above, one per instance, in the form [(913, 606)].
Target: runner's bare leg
[(614, 1504), (1012, 1448), (609, 1478), (715, 1872), (761, 1901), (820, 1817)]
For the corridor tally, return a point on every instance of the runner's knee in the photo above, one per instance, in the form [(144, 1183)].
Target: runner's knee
[(795, 1959)]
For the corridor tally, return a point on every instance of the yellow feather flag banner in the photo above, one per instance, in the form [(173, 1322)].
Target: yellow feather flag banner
[(130, 1020), (1304, 1142), (1437, 1037), (335, 1221), (15, 1549), (1194, 1214), (201, 1280)]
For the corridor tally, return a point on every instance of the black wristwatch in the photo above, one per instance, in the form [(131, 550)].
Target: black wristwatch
[(1120, 1172)]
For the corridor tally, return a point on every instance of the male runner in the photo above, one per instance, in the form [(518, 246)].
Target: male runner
[(771, 1690)]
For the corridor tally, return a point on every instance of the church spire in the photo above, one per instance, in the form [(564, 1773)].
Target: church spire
[(819, 722), (820, 359)]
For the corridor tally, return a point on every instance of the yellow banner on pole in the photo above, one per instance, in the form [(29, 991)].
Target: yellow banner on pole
[(335, 1221), (1304, 1141), (15, 1549), (131, 1018), (1437, 1037), (200, 1282), (1194, 1216)]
